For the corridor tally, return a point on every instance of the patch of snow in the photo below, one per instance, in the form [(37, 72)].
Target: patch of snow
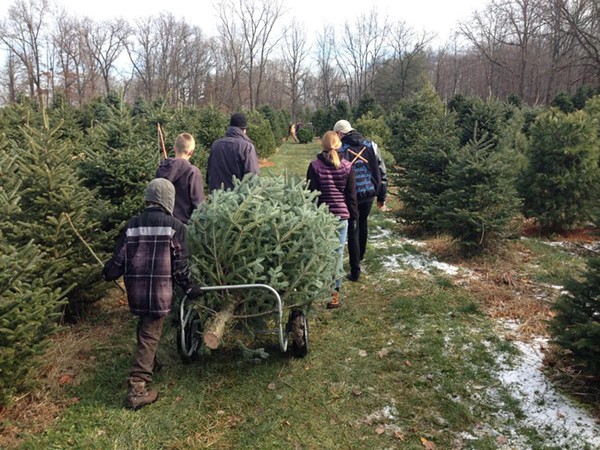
[(397, 263), (391, 264), (388, 413), (554, 416), (380, 234), (558, 420), (568, 245), (420, 262)]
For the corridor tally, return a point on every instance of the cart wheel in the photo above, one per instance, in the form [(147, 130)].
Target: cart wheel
[(188, 339), (299, 331)]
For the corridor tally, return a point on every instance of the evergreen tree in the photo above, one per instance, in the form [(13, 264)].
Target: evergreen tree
[(423, 134), (368, 105), (374, 128), (562, 169), (266, 230), (259, 131), (480, 196), (119, 163), (576, 326), (278, 121), (482, 118), (592, 108), (342, 110), (29, 310), (563, 102), (29, 301), (212, 125), (51, 194), (318, 120), (305, 135)]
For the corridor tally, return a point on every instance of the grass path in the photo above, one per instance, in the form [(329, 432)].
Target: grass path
[(407, 363)]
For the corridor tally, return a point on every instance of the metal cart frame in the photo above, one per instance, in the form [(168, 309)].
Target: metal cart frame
[(190, 324)]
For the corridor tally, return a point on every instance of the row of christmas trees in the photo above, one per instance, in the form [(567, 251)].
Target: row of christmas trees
[(71, 176)]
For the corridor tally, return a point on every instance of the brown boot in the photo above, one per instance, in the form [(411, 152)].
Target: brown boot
[(335, 300), (138, 396)]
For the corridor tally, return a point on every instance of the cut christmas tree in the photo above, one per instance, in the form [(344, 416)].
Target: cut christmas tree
[(263, 231)]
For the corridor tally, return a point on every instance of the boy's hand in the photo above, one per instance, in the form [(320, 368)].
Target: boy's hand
[(194, 291)]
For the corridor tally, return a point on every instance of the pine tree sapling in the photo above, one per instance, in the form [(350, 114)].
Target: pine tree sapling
[(305, 135), (562, 170), (576, 326), (50, 187), (480, 197), (423, 135), (29, 310), (261, 134), (266, 231)]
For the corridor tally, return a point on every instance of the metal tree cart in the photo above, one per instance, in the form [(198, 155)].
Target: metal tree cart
[(191, 325)]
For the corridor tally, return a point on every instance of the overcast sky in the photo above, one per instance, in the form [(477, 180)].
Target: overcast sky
[(439, 16)]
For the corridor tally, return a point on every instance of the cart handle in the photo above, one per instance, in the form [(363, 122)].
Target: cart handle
[(283, 342)]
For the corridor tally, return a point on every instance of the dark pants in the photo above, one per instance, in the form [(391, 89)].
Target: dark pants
[(358, 232), (149, 330)]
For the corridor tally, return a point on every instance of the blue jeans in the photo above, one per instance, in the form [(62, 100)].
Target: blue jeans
[(343, 230)]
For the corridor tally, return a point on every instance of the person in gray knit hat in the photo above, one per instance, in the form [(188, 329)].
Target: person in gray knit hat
[(152, 254)]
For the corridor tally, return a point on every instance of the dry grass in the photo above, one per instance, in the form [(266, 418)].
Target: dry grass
[(502, 282), (70, 355)]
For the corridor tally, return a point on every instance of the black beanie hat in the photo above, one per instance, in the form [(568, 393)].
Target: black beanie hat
[(238, 120)]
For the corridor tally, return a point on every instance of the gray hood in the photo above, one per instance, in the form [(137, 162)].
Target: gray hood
[(162, 192)]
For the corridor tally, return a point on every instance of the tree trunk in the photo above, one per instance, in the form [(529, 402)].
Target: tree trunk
[(215, 328)]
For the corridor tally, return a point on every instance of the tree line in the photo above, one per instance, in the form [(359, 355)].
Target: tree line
[(525, 50)]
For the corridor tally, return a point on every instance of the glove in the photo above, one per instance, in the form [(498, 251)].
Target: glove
[(194, 291)]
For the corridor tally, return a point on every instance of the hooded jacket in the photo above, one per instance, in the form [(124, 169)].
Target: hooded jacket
[(188, 182), (151, 254), (232, 155)]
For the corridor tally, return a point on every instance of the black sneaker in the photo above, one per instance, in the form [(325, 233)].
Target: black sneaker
[(353, 276)]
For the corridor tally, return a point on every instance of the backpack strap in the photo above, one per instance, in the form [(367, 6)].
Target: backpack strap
[(358, 155)]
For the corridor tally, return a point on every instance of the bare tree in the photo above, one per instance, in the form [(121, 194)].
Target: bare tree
[(408, 58), (328, 76), (295, 53), (197, 64), (232, 60), (254, 22), (22, 33), (141, 49), (360, 51), (105, 41), (70, 53), (583, 19)]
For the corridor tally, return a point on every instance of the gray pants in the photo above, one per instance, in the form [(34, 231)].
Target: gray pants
[(149, 330)]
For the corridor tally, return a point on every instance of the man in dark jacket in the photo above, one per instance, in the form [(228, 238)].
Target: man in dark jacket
[(361, 153), (151, 254), (231, 156), (187, 179)]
